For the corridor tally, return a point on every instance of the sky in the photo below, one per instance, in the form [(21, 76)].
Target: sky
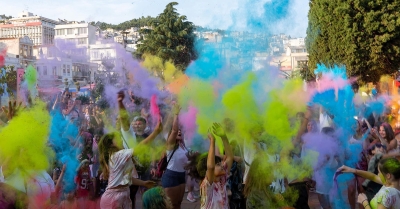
[(216, 14)]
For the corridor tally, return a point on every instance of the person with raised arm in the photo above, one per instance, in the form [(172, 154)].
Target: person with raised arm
[(389, 176), (213, 171), (117, 165), (174, 178)]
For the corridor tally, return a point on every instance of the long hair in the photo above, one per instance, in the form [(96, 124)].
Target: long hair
[(388, 130), (106, 149), (197, 165), (390, 165), (258, 183), (155, 198), (259, 177)]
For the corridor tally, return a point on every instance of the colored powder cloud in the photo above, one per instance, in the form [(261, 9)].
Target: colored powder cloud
[(24, 140)]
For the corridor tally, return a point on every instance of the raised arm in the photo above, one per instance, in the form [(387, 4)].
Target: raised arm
[(171, 141), (59, 181), (303, 127), (361, 173), (211, 160), (123, 114), (219, 131), (154, 134)]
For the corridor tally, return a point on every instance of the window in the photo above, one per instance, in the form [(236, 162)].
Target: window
[(38, 70), (82, 30), (82, 41), (54, 70), (68, 69), (70, 31), (45, 70), (64, 70), (95, 54)]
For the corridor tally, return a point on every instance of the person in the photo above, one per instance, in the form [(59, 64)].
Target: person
[(70, 112), (386, 136), (156, 198), (308, 127), (174, 178), (257, 190), (371, 188), (130, 140), (212, 171), (354, 186), (83, 183), (389, 176), (117, 166)]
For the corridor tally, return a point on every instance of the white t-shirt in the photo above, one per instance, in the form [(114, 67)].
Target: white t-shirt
[(388, 197), (178, 160), (42, 185), (120, 166), (248, 155), (129, 139), (213, 194)]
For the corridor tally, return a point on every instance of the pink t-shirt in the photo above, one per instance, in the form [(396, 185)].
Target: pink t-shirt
[(214, 196)]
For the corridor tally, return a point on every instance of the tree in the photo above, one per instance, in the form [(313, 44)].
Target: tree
[(363, 35), (9, 78), (171, 38)]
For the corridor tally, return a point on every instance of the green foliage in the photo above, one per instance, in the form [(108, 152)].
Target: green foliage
[(364, 35), (171, 38), (10, 79), (136, 22), (98, 89), (84, 99)]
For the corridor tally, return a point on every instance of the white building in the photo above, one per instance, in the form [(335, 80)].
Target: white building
[(298, 56), (37, 28), (104, 53), (20, 49), (82, 34), (54, 66), (294, 42)]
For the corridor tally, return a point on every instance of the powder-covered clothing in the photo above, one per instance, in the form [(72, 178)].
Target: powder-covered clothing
[(257, 200), (120, 166), (178, 160), (116, 199), (82, 182), (388, 197), (214, 195)]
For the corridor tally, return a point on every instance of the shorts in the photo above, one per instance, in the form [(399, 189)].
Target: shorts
[(116, 198), (173, 178)]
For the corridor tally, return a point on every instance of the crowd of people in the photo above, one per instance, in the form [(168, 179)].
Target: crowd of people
[(139, 154)]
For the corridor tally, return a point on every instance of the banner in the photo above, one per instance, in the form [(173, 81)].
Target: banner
[(20, 80)]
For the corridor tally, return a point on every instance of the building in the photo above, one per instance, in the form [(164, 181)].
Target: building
[(55, 66), (39, 29), (82, 34), (298, 56), (20, 49), (104, 53)]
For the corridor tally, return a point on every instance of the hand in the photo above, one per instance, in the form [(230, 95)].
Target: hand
[(176, 109), (149, 184), (12, 109), (345, 169), (159, 126), (121, 96), (153, 172), (211, 137), (362, 198), (218, 130)]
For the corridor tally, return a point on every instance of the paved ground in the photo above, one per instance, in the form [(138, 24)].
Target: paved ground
[(312, 202)]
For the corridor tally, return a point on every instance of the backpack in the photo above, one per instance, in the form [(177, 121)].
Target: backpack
[(163, 163)]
